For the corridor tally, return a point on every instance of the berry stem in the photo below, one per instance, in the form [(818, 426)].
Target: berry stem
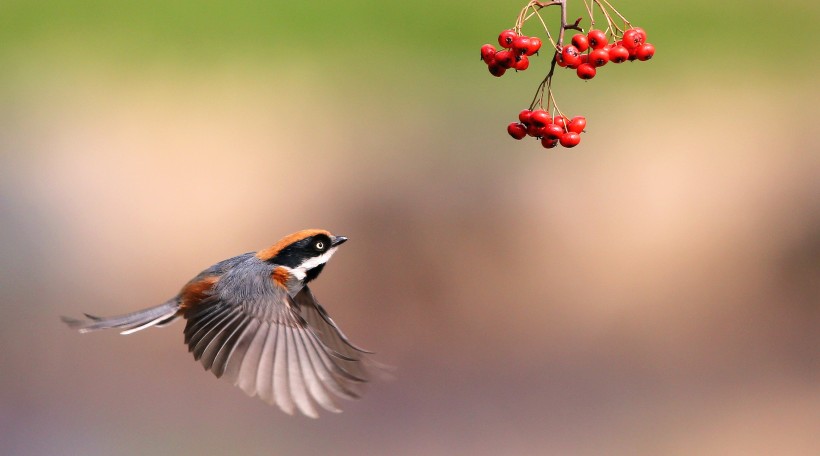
[(626, 22), (546, 29), (613, 29), (546, 84), (591, 12), (535, 5), (555, 105), (610, 27)]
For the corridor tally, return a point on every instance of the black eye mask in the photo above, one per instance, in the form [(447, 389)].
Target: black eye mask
[(295, 254)]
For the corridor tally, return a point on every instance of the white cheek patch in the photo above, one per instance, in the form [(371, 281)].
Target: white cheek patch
[(301, 271)]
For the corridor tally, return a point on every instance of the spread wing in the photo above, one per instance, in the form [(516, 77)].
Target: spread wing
[(285, 350), (350, 357)]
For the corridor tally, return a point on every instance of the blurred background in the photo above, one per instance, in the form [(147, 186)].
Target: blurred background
[(653, 291)]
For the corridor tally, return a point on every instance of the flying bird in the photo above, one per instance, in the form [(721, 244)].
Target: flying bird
[(253, 320)]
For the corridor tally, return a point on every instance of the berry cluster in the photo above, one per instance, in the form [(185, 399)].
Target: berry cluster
[(515, 52), (591, 51), (587, 52), (550, 130)]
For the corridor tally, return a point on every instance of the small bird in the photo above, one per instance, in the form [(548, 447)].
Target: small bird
[(253, 320)]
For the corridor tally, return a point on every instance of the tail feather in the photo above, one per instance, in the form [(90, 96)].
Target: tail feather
[(129, 323)]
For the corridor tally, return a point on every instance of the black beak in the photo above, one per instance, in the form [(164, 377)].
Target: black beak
[(338, 240)]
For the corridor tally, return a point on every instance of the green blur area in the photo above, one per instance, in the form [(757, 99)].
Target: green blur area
[(357, 39), (419, 56)]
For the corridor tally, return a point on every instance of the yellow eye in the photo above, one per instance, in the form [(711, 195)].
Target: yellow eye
[(320, 245)]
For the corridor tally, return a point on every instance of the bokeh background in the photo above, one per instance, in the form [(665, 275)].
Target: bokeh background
[(653, 291)]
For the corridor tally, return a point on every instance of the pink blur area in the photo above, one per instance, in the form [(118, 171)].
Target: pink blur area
[(653, 291)]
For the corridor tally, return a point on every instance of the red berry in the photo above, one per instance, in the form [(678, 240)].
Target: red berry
[(559, 59), (641, 34), (496, 69), (505, 58), (599, 57), (524, 116), (618, 54), (645, 52), (517, 130), (487, 52), (522, 63), (520, 44), (560, 120), (584, 58), (633, 38), (581, 42), (548, 143), (571, 56), (577, 124), (535, 45), (535, 131), (540, 118), (597, 39), (506, 38), (570, 139), (586, 71), (553, 131)]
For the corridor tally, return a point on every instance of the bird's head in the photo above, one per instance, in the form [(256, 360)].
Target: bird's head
[(303, 254)]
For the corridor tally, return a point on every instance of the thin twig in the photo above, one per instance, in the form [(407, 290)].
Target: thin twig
[(606, 16), (618, 13), (591, 14), (538, 98), (546, 29), (575, 26)]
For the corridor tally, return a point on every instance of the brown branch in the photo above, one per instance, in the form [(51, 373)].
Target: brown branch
[(574, 26)]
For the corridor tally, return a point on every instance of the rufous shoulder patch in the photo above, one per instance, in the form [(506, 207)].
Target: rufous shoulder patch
[(281, 276), (194, 292)]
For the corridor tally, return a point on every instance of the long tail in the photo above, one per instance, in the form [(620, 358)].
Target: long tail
[(129, 323)]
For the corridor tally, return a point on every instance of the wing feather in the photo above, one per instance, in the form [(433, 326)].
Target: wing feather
[(246, 378), (240, 350), (219, 344), (348, 357), (336, 379), (309, 363), (264, 369), (207, 333), (196, 328), (313, 312), (298, 389), (280, 374)]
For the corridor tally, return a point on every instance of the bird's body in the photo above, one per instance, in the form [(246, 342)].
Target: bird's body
[(253, 320)]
